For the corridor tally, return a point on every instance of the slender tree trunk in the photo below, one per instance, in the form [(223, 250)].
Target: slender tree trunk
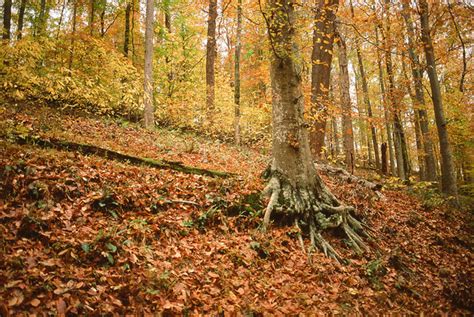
[(365, 91), (21, 17), (7, 19), (398, 133), (321, 59), (169, 29), (127, 28), (337, 150), (238, 47), (463, 46), (102, 19), (448, 177), (61, 18), (92, 5), (149, 120), (297, 192), (416, 123), (388, 125), (384, 158), (211, 52), (73, 34), (347, 130), (132, 29), (419, 105), (41, 27)]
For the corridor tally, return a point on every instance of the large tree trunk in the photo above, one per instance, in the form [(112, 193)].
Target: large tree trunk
[(365, 91), (126, 40), (297, 192), (321, 58), (21, 18), (149, 118), (211, 52), (420, 105), (238, 47), (347, 130), (448, 176), (7, 19)]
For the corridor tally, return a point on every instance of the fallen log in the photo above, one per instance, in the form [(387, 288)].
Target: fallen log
[(113, 155), (346, 176)]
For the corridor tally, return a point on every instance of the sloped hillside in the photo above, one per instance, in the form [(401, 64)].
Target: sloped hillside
[(83, 234)]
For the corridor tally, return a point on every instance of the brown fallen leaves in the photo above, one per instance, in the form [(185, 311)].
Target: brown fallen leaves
[(104, 238)]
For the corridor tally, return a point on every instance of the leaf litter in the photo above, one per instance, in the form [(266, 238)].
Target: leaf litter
[(82, 235)]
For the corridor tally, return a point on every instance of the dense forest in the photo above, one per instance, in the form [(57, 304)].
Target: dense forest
[(270, 157)]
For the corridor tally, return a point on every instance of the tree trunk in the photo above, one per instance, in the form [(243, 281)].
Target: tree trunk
[(91, 17), (420, 105), (7, 19), (347, 130), (211, 52), (102, 19), (73, 34), (398, 133), (384, 158), (321, 58), (149, 120), (297, 192), (388, 125), (21, 18), (238, 47), (448, 177), (463, 46), (61, 17), (365, 91), (41, 26), (126, 40)]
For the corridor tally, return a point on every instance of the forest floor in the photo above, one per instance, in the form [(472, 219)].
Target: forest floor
[(82, 234)]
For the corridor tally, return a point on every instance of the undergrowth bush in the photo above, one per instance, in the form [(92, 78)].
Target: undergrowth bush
[(100, 80)]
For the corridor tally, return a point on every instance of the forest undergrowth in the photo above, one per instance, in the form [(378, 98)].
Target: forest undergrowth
[(85, 234)]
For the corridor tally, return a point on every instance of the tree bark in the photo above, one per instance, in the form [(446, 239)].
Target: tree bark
[(388, 124), (149, 120), (296, 191), (21, 18), (365, 91), (126, 40), (41, 25), (73, 34), (211, 53), (238, 47), (448, 176), (321, 58), (398, 133), (91, 17), (419, 105), (347, 130), (7, 19), (463, 46)]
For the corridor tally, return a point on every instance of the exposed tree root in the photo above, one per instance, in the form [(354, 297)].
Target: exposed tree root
[(313, 210), (109, 154)]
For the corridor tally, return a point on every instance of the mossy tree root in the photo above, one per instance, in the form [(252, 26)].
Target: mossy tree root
[(313, 210)]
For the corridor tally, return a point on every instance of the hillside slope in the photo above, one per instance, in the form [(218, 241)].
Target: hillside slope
[(84, 234)]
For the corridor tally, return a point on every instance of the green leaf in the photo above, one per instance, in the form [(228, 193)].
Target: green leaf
[(86, 247), (110, 258), (112, 248)]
